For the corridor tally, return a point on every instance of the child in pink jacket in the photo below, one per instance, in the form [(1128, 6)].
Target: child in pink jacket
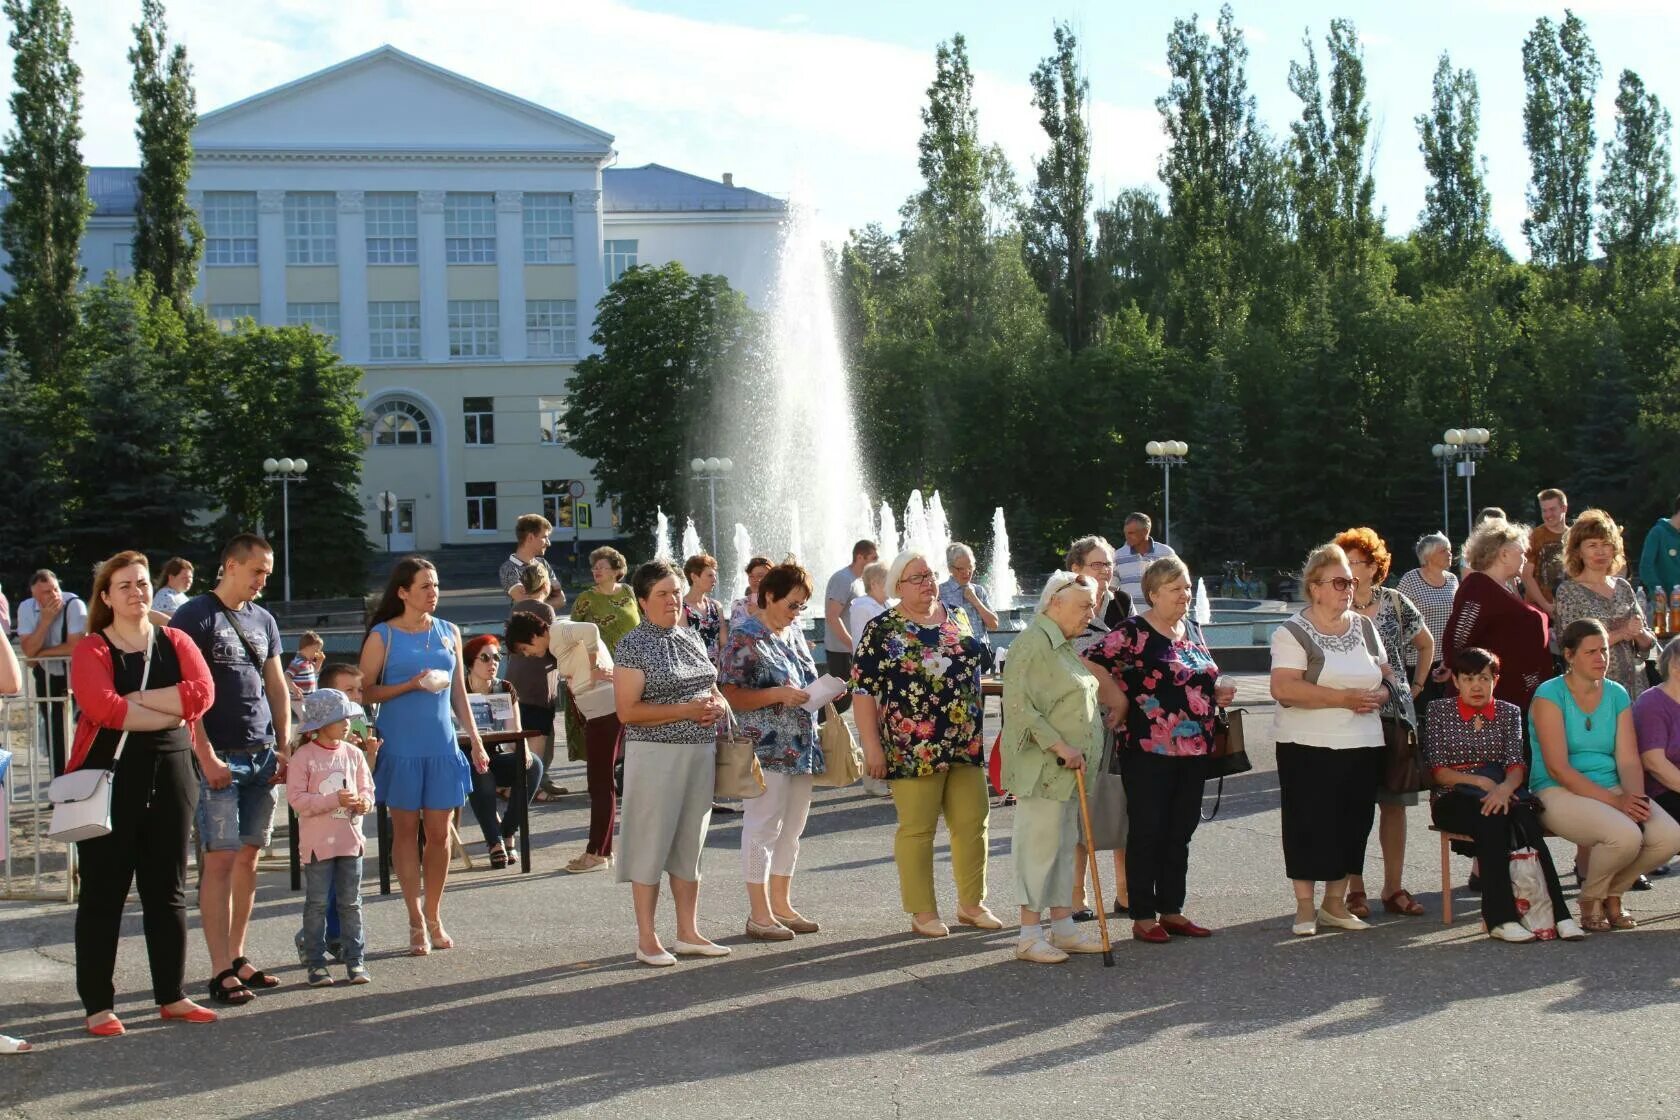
[(330, 788)]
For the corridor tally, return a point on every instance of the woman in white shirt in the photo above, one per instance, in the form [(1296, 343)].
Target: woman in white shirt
[(872, 602), (1328, 669)]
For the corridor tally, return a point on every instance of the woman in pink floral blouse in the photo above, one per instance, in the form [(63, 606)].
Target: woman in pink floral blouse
[(1171, 688)]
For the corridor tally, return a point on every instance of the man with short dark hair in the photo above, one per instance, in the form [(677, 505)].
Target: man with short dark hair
[(1544, 569), (49, 624), (844, 586), (1659, 560), (532, 532), (1131, 558), (242, 744)]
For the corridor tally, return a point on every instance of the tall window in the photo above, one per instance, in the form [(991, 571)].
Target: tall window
[(618, 256), (393, 330), (311, 227), (551, 328), (481, 507), (551, 423), (469, 227), (393, 227), (227, 316), (230, 227), (320, 317), (557, 502), (481, 420), (474, 328), (399, 423), (548, 228)]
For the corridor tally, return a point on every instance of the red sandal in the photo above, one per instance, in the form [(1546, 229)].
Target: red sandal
[(1402, 902)]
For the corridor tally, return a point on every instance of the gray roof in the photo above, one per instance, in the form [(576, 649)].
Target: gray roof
[(652, 188)]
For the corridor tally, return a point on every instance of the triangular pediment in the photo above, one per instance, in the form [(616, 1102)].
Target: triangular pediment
[(390, 100)]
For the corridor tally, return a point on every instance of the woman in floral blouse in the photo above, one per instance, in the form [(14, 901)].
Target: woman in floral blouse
[(1475, 747), (703, 613), (764, 672), (916, 678), (1170, 687)]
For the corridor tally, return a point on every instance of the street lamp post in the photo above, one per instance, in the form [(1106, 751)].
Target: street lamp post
[(710, 471), (1166, 454), (1466, 445), (285, 472), (1443, 455)]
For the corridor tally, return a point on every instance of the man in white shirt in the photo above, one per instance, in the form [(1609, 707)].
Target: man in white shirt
[(49, 624), (838, 642), (1135, 555)]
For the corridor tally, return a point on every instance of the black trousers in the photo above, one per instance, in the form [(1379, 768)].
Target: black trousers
[(152, 802), (1164, 803), (1329, 801), (46, 684), (1670, 801), (840, 665), (1495, 838)]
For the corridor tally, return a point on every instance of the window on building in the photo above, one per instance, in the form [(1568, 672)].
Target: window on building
[(557, 502), (311, 227), (399, 423), (393, 330), (319, 317), (481, 507), (474, 328), (618, 256), (122, 256), (469, 227), (230, 227), (481, 420), (551, 422), (228, 316), (548, 228), (551, 328), (393, 227)]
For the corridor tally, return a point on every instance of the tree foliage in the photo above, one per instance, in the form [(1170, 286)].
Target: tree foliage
[(168, 238), (1456, 222), (1057, 222), (1561, 71)]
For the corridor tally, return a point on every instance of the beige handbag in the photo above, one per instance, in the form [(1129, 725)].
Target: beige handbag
[(738, 771), (842, 757)]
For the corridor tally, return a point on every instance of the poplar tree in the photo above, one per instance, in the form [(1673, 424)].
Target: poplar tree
[(1057, 219), (1636, 195), (167, 236), (1561, 71), (1455, 222)]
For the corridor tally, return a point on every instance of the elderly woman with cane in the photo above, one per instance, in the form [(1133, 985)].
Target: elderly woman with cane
[(1052, 731)]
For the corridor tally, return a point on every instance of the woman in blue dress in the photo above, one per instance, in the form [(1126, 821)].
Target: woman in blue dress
[(412, 663)]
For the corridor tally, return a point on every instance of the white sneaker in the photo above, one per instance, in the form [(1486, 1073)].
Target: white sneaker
[(1514, 932), (876, 787), (1084, 940), (1039, 952), (1325, 918), (1570, 930)]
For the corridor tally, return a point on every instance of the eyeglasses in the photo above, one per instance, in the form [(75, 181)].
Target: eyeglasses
[(797, 605), (1073, 581), (1101, 565), (922, 577), (491, 658), (1342, 584)]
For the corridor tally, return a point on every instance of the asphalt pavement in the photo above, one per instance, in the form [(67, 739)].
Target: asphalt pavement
[(541, 1010)]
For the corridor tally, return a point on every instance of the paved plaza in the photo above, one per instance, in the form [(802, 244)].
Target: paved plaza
[(541, 1010)]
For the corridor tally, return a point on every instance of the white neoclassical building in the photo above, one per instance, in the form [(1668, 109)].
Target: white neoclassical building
[(455, 240)]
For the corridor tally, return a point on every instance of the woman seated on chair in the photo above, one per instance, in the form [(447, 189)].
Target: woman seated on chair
[(1476, 749), (484, 656)]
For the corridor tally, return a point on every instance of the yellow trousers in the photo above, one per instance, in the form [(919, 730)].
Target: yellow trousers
[(960, 794)]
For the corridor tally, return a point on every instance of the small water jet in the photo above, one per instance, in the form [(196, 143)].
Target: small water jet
[(1001, 582)]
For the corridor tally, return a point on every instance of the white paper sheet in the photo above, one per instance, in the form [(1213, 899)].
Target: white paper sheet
[(823, 690)]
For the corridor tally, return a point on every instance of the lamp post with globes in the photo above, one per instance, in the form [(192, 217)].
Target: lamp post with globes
[(1166, 454), (285, 472), (710, 471), (1443, 455), (1463, 446)]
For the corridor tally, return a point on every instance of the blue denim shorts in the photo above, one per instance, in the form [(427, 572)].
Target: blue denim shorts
[(242, 815)]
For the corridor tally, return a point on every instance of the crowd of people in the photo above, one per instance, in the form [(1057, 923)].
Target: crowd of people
[(1532, 687)]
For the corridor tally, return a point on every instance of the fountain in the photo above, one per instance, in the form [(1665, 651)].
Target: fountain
[(889, 543), (1203, 609), (1001, 582), (662, 536), (743, 553), (796, 538), (691, 545), (939, 530), (866, 522), (916, 533)]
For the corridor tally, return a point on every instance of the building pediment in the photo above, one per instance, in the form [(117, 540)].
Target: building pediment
[(390, 102)]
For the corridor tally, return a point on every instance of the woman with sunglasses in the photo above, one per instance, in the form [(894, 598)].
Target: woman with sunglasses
[(1488, 615), (763, 671), (484, 657), (1328, 673), (916, 680)]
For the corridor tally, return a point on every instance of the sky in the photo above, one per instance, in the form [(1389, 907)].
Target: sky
[(822, 100)]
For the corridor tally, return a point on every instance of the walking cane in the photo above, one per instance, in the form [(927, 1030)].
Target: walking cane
[(1096, 877)]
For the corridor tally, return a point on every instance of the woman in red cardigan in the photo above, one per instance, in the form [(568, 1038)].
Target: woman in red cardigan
[(1488, 614), (140, 685)]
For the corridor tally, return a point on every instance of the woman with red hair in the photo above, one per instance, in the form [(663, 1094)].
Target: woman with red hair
[(484, 657), (1400, 625)]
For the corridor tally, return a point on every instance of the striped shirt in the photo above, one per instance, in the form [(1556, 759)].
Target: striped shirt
[(1129, 566), (1435, 603)]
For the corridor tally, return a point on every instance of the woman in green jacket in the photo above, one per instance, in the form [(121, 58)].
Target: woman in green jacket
[(1052, 727)]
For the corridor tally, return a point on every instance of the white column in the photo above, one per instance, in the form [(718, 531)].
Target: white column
[(586, 249), (510, 272), (434, 281), (271, 255), (352, 278)]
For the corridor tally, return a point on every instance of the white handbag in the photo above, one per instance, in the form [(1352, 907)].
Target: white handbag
[(81, 799)]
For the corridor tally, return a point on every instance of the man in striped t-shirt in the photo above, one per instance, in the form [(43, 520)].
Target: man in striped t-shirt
[(1135, 555)]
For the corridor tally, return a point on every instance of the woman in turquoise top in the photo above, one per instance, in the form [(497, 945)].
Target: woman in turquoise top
[(1589, 779), (412, 665)]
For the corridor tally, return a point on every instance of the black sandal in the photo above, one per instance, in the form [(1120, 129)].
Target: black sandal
[(237, 996), (498, 858), (258, 978)]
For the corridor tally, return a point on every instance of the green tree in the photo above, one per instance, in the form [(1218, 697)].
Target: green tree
[(42, 168), (1057, 221), (665, 337), (1130, 262), (1636, 195), (330, 546), (1561, 71), (33, 517), (167, 236), (1455, 224)]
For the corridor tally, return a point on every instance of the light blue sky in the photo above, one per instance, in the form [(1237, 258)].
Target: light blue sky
[(823, 98)]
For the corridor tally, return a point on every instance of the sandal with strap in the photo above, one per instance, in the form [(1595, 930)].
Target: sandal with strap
[(419, 944), (1358, 904), (498, 858), (238, 995), (1616, 916), (258, 978), (1592, 917), (440, 939), (1402, 902)]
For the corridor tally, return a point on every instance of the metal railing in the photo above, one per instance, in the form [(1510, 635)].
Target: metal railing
[(35, 867)]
